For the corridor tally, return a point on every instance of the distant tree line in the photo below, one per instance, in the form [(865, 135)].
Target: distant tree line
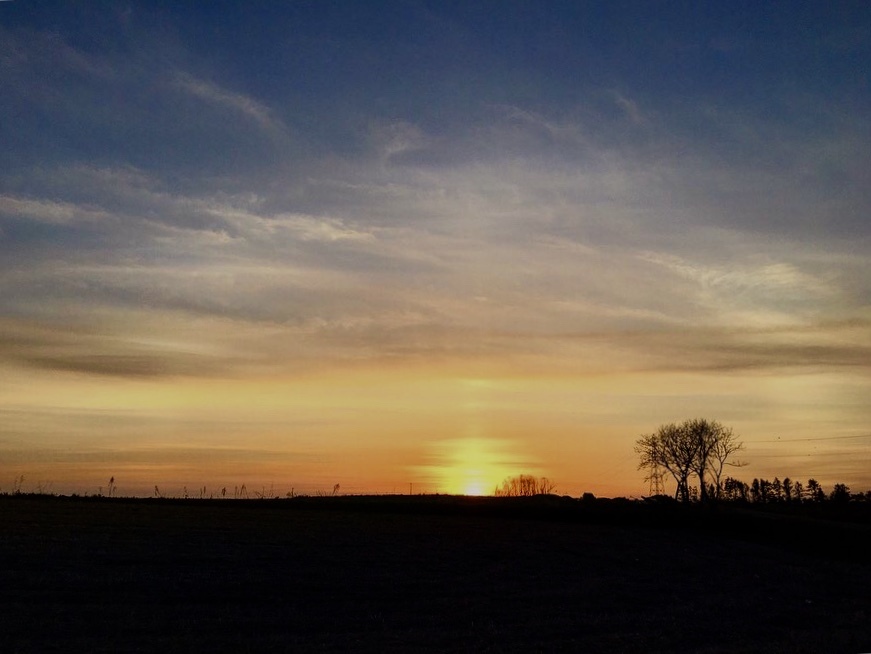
[(787, 491), (701, 450)]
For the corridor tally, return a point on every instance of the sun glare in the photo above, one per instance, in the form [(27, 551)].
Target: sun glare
[(473, 466), (475, 488)]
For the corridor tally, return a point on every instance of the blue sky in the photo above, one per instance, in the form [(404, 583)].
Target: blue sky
[(602, 216)]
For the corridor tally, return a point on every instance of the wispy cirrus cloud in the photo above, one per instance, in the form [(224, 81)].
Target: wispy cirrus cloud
[(102, 351), (50, 212), (239, 102)]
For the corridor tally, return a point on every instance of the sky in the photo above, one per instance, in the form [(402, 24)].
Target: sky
[(423, 246)]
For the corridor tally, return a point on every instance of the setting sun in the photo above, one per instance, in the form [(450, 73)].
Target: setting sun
[(472, 466), (475, 488)]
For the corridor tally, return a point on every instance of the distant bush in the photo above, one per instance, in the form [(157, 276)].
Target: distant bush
[(525, 486)]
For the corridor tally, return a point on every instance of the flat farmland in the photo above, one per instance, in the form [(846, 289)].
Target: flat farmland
[(418, 574)]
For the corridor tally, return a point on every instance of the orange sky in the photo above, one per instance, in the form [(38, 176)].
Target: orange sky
[(397, 428)]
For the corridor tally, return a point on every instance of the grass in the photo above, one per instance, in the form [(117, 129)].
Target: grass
[(423, 574)]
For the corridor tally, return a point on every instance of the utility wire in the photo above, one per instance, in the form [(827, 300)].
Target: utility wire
[(818, 438)]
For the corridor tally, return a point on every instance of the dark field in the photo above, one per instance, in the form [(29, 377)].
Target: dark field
[(423, 574)]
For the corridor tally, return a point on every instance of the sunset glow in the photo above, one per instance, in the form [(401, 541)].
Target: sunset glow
[(472, 466), (422, 247)]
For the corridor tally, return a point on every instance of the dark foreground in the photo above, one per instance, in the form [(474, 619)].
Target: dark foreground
[(364, 575)]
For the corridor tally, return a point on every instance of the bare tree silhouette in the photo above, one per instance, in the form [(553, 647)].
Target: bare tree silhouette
[(525, 486), (669, 448), (697, 446), (725, 446)]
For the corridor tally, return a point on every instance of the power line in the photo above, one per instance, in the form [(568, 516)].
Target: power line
[(817, 438), (815, 455)]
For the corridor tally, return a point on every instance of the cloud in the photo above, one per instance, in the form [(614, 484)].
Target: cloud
[(47, 211), (557, 131), (238, 102), (298, 226), (121, 365), (630, 108), (395, 141), (86, 351), (488, 261), (136, 98), (524, 232), (772, 289), (815, 348)]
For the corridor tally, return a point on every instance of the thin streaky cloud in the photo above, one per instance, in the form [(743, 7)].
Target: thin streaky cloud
[(245, 105), (47, 211)]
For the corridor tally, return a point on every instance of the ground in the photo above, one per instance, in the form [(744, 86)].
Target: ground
[(417, 575)]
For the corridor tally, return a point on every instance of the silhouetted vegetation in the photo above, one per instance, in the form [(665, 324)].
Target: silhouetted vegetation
[(525, 486), (697, 447), (703, 449), (763, 491)]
